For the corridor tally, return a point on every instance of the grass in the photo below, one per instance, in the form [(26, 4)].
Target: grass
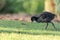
[(17, 30)]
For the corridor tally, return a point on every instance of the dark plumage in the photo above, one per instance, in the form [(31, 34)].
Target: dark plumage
[(46, 17)]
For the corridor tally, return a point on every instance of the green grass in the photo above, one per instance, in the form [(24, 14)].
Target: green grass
[(17, 30)]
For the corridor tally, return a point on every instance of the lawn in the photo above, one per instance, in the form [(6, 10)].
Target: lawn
[(17, 30)]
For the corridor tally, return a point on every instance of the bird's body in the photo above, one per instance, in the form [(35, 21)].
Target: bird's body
[(46, 17)]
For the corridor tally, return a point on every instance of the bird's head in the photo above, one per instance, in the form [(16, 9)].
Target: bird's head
[(33, 18)]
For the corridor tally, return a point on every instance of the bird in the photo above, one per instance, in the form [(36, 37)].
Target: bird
[(46, 17)]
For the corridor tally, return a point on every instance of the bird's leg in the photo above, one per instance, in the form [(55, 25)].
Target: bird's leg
[(46, 26), (54, 25)]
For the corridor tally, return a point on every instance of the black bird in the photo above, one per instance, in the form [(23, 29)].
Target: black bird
[(46, 17)]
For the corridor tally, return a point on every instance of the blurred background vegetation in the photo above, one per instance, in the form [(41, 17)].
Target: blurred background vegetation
[(16, 6), (27, 6)]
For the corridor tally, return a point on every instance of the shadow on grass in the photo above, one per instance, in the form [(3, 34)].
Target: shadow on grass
[(30, 33)]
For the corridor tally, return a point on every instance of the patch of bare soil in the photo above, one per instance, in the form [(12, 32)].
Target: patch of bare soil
[(20, 17)]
